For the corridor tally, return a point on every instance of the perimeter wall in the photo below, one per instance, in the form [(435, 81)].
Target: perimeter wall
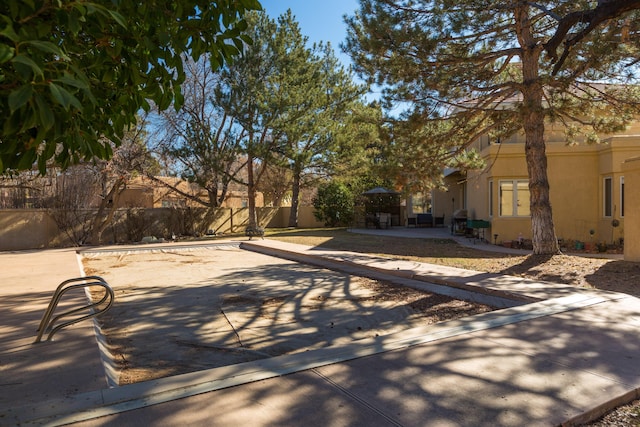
[(22, 229)]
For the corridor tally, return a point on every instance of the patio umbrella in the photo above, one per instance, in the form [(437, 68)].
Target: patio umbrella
[(381, 199), (380, 190)]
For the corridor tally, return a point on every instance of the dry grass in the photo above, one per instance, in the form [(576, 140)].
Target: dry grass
[(606, 274)]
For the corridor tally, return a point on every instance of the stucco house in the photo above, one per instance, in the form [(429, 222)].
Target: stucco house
[(587, 187)]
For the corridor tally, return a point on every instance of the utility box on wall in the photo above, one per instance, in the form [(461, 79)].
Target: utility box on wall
[(631, 170)]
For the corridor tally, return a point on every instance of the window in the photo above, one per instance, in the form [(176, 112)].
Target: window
[(622, 196), (490, 198), (514, 198), (607, 195)]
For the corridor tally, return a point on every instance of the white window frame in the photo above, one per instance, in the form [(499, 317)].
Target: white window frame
[(514, 185)]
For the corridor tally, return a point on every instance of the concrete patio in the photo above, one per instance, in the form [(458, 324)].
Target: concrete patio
[(556, 355)]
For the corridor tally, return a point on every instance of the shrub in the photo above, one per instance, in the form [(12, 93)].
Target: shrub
[(334, 204)]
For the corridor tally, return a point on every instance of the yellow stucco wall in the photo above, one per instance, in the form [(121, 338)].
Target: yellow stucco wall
[(445, 202), (35, 229), (576, 177), (631, 170), (306, 219), (29, 229)]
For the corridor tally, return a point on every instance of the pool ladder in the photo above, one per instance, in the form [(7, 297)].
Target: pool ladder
[(96, 308)]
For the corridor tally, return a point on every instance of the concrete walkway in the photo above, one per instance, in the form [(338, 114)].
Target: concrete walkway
[(554, 355)]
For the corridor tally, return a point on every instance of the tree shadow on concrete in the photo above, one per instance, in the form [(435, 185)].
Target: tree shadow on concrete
[(260, 311), (531, 373), (28, 369)]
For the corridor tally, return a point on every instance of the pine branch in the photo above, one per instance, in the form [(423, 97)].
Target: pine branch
[(604, 11)]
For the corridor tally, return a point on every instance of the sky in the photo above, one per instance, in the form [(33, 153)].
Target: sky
[(320, 20)]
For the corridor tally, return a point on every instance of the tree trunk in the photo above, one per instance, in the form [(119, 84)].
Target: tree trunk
[(212, 193), (108, 204), (542, 228), (223, 194), (295, 199), (543, 231), (251, 190)]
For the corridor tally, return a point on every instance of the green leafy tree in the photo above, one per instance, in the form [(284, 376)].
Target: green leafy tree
[(474, 67), (74, 74), (334, 204)]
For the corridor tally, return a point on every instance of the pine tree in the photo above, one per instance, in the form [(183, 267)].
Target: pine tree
[(286, 97), (315, 91), (474, 67)]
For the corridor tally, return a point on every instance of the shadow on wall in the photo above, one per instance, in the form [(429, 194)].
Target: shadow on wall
[(29, 229), (22, 229)]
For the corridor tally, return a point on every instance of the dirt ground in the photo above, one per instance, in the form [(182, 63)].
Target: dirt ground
[(183, 311), (601, 273)]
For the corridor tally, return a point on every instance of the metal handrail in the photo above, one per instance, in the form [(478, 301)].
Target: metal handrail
[(46, 324)]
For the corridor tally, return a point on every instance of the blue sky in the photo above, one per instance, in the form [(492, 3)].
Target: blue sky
[(320, 20)]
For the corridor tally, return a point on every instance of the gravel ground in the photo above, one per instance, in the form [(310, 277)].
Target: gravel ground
[(606, 274)]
